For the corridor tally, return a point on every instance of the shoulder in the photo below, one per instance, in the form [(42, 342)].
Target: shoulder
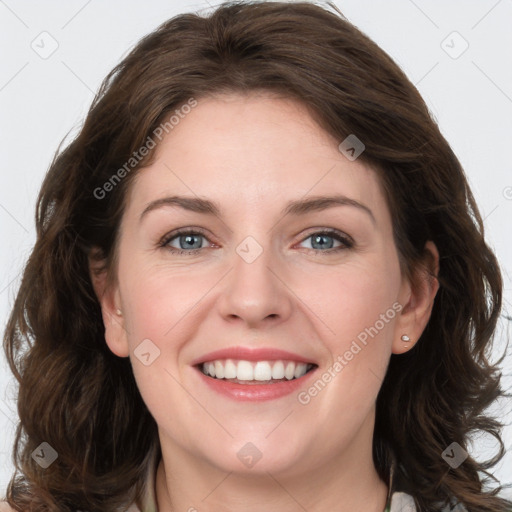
[(5, 507), (403, 502)]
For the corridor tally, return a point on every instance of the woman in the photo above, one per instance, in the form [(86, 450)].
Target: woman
[(260, 283)]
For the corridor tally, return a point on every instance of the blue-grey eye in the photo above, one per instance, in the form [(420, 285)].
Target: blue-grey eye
[(186, 241), (326, 240)]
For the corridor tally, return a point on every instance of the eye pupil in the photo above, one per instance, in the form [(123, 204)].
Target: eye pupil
[(188, 241), (318, 239)]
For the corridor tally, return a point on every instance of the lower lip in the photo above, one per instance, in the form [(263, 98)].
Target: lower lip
[(254, 392)]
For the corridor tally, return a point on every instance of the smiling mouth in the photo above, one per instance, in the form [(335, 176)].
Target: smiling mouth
[(255, 372)]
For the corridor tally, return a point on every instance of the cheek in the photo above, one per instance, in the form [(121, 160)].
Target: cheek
[(367, 309), (157, 297), (160, 309), (370, 296), (353, 299)]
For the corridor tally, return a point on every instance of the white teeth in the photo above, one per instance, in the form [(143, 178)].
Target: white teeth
[(258, 371), (278, 370), (300, 370), (230, 370), (219, 370), (290, 371), (244, 371), (262, 371)]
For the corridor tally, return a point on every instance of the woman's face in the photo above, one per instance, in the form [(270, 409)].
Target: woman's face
[(269, 285)]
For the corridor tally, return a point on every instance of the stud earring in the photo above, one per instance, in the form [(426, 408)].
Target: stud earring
[(119, 312), (405, 338)]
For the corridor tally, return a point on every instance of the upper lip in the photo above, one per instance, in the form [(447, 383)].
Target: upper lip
[(251, 354)]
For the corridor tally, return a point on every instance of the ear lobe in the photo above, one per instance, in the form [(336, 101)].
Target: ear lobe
[(109, 299), (418, 306)]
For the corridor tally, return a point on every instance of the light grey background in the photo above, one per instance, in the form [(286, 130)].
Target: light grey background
[(42, 99)]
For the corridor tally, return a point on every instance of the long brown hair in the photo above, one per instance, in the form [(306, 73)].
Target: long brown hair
[(81, 399)]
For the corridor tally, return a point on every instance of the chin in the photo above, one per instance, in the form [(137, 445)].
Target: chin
[(258, 456)]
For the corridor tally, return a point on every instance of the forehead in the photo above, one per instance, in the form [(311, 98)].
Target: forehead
[(257, 151)]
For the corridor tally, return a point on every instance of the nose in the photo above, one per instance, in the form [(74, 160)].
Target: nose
[(254, 292)]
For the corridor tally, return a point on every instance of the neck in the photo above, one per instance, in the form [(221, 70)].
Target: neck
[(346, 482)]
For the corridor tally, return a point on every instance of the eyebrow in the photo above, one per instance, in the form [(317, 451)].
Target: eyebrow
[(296, 207)]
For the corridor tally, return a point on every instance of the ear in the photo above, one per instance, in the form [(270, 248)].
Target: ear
[(110, 302), (417, 297)]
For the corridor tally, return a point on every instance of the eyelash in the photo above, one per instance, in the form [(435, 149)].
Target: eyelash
[(347, 241)]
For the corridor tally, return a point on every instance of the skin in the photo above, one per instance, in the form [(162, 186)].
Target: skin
[(251, 155)]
